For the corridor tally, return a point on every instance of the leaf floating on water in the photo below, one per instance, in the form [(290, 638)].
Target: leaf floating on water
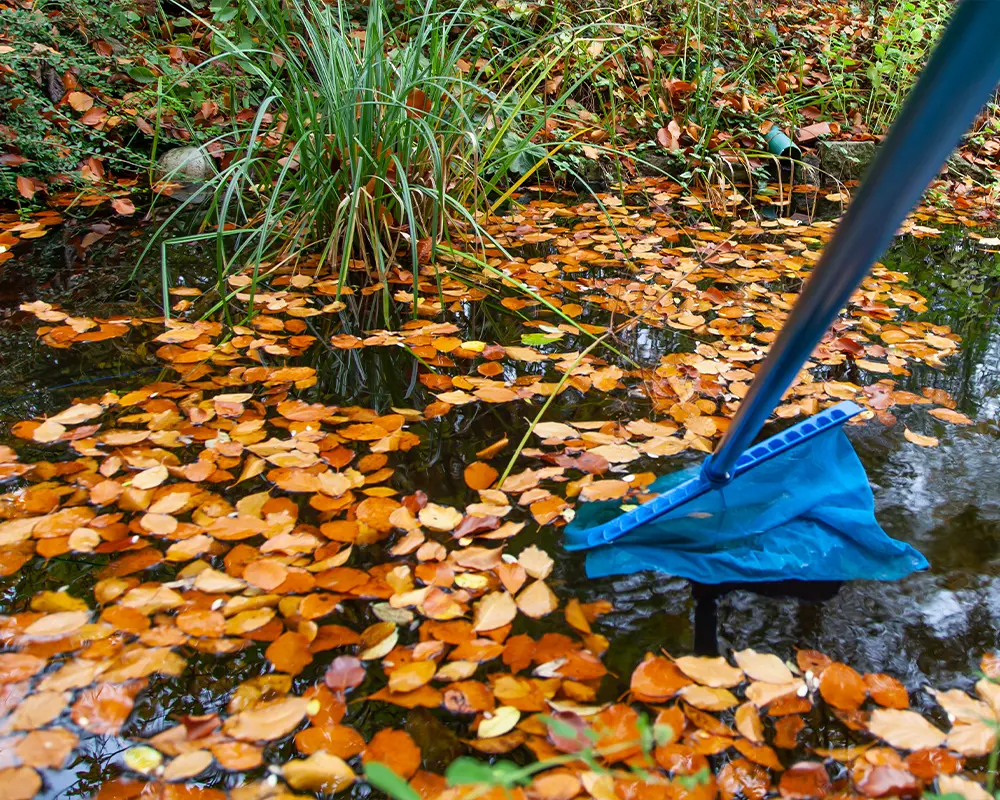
[(537, 563), (143, 759), (842, 687), (764, 694), (805, 781), (748, 723), (919, 439), (53, 626), (498, 723), (537, 601), (344, 672), (480, 475), (494, 611), (956, 785), (657, 679), (714, 672), (707, 698), (763, 667), (906, 730), (48, 431), (396, 749), (272, 720), (75, 414), (949, 415), (320, 772), (407, 677)]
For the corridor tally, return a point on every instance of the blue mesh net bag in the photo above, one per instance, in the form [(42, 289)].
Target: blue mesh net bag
[(807, 514)]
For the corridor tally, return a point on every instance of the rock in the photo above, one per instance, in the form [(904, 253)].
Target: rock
[(958, 167), (188, 163), (845, 161), (593, 173), (808, 171), (658, 165)]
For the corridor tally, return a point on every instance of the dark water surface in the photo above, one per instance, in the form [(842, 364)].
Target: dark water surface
[(929, 628)]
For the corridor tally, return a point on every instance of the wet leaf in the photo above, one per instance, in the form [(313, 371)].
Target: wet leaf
[(272, 720), (494, 611), (320, 772), (920, 439), (396, 749), (498, 723), (763, 667), (714, 672), (804, 780), (906, 730), (842, 687)]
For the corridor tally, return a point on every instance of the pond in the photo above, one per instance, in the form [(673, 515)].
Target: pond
[(930, 628)]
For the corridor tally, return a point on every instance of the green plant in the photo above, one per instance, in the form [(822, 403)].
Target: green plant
[(873, 83), (375, 144), (585, 747), (79, 80)]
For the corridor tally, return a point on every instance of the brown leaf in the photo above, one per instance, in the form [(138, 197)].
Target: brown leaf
[(290, 653), (320, 772), (407, 677), (25, 188), (657, 679), (19, 783), (344, 672), (885, 780), (537, 600), (919, 439), (80, 101), (123, 206), (804, 781), (887, 691), (269, 721), (494, 611), (842, 687), (396, 749)]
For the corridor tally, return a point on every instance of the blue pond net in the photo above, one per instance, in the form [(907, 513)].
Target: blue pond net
[(806, 514)]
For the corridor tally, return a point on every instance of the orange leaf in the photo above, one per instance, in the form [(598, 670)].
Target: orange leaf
[(80, 101), (479, 475), (290, 653), (25, 187), (842, 687), (123, 206), (887, 691), (657, 679), (396, 749), (804, 781)]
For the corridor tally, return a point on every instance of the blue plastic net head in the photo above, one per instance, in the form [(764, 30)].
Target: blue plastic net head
[(807, 514)]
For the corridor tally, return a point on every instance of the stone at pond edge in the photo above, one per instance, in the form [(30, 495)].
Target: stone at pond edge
[(845, 161), (188, 163), (848, 161), (958, 167)]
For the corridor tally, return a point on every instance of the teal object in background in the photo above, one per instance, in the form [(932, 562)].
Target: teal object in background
[(778, 144)]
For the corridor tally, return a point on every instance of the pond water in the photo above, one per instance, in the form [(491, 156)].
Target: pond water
[(928, 628)]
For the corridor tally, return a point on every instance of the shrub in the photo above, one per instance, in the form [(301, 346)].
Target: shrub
[(375, 143)]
